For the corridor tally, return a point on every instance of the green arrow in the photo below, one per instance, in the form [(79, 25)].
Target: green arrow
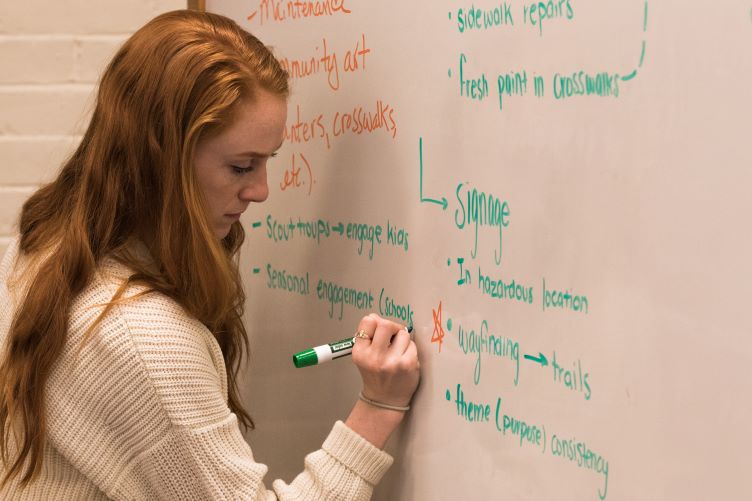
[(339, 228), (443, 202), (540, 360)]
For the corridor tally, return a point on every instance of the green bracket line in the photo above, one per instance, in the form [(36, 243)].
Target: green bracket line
[(443, 202), (644, 30), (644, 44), (642, 55)]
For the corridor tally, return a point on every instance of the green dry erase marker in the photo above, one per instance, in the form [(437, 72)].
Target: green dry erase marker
[(326, 352)]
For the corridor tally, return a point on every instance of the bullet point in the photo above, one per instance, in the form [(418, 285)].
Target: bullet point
[(448, 395), (450, 14), (449, 72), (449, 262), (449, 324)]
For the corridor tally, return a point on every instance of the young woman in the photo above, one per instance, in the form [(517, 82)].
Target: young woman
[(121, 303)]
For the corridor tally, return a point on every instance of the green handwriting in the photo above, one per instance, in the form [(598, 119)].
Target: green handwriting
[(477, 19), (574, 379), (564, 85), (281, 279), (477, 208), (490, 344), (563, 300), (389, 307), (338, 295), (366, 235), (536, 13), (497, 288), (529, 433)]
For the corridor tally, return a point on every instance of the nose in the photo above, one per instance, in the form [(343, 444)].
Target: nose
[(255, 189)]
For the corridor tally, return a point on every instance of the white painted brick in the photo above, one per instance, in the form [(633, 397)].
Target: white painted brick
[(37, 60), (51, 54), (92, 56), (80, 16), (11, 201), (58, 109), (30, 160), (56, 58)]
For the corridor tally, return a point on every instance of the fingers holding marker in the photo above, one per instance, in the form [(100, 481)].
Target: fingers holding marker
[(385, 331), (357, 342), (366, 329), (382, 337), (401, 342), (385, 355), (411, 353), (389, 366), (393, 340), (362, 334)]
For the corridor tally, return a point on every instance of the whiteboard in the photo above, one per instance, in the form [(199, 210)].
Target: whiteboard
[(562, 192)]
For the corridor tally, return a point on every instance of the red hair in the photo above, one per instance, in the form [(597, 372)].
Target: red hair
[(175, 81)]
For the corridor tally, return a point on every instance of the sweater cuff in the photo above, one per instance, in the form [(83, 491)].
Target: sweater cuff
[(361, 456)]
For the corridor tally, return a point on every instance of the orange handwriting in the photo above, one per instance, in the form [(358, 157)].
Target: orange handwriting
[(292, 178), (438, 328), (280, 10), (326, 61), (352, 121)]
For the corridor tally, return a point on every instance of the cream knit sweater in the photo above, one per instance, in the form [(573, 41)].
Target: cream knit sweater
[(140, 412)]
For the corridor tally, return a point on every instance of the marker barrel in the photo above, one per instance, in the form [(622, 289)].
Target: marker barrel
[(327, 352), (323, 353)]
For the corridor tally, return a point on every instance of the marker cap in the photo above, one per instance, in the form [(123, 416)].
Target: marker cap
[(305, 358)]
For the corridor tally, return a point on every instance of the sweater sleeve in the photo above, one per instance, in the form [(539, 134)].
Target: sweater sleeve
[(141, 410), (216, 463)]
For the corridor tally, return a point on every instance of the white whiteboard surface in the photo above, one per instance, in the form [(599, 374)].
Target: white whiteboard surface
[(626, 169)]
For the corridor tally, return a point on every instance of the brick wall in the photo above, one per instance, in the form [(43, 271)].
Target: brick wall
[(51, 55)]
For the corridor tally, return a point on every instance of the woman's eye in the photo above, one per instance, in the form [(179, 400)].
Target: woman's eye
[(254, 163), (241, 170)]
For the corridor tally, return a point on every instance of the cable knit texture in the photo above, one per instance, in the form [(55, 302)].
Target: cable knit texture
[(139, 411)]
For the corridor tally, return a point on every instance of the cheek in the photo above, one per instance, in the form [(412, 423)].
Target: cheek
[(222, 196), (216, 193)]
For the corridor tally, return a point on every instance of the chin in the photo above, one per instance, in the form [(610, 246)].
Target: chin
[(222, 232)]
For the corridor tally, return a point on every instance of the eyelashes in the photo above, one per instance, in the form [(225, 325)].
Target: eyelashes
[(245, 170), (242, 170)]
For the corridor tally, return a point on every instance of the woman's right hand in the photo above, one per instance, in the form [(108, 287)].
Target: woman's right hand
[(387, 361)]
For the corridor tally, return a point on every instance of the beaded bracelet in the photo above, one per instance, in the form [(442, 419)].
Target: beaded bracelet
[(376, 403)]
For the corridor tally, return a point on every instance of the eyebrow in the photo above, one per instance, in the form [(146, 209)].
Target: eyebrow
[(259, 154)]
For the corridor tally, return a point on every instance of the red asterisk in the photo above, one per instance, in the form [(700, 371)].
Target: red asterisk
[(438, 328)]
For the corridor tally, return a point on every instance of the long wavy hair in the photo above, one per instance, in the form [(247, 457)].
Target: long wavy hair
[(175, 81)]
